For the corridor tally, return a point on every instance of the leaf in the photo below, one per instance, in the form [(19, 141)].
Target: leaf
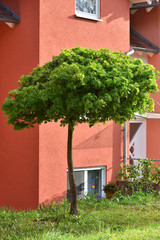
[(82, 84)]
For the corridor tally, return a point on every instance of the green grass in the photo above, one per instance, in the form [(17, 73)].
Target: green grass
[(130, 218)]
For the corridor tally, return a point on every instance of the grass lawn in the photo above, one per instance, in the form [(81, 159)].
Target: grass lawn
[(130, 218)]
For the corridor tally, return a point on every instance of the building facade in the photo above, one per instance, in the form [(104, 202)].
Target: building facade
[(33, 165)]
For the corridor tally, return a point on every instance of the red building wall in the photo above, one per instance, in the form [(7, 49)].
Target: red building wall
[(19, 151), (153, 133), (33, 162), (96, 146), (148, 25)]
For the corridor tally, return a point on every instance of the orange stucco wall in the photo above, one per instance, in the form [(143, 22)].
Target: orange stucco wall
[(96, 146), (33, 162), (19, 53), (59, 28), (155, 61), (153, 134), (148, 25)]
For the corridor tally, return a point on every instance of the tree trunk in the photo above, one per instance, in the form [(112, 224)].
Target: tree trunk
[(73, 189)]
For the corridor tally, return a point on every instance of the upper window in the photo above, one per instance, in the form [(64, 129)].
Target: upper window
[(88, 9)]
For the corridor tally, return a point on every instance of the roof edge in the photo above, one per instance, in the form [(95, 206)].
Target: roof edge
[(144, 49), (155, 48), (144, 5), (9, 15)]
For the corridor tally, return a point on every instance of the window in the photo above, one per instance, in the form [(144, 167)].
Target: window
[(88, 9), (88, 180)]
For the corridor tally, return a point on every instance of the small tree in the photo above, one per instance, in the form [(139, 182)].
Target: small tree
[(82, 85)]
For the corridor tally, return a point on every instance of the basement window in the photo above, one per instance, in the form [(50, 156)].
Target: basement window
[(88, 180)]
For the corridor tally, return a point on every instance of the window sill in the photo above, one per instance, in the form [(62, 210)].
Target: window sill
[(88, 17)]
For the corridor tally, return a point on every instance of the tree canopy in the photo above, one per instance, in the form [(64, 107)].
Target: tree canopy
[(82, 85)]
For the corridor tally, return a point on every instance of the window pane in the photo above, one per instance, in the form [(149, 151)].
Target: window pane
[(133, 129), (94, 181), (87, 6), (79, 178)]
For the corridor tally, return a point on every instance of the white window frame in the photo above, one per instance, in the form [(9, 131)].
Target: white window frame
[(103, 177), (90, 16), (142, 144)]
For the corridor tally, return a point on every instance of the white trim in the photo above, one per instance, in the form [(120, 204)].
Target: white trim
[(140, 1), (11, 25), (95, 17), (89, 168), (149, 1), (85, 182), (130, 52), (137, 120), (138, 116), (80, 15), (153, 115), (148, 116), (149, 9), (98, 8), (103, 180), (86, 169), (142, 131)]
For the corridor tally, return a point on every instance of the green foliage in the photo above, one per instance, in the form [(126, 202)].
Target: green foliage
[(156, 175), (110, 187), (146, 168), (129, 173), (142, 176), (105, 219), (144, 171), (82, 85)]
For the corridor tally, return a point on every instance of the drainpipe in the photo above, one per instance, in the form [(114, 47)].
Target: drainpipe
[(125, 127), (125, 144), (129, 52)]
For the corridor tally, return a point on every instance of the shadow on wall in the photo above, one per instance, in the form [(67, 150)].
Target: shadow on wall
[(55, 198), (110, 137), (115, 9), (99, 140), (66, 194)]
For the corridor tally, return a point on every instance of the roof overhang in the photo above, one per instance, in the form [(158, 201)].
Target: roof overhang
[(148, 115), (7, 15), (140, 43), (140, 1), (137, 4)]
